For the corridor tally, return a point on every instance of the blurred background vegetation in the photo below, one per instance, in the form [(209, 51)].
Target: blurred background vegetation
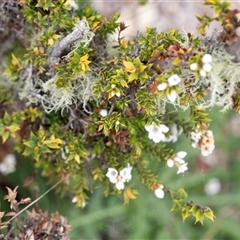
[(148, 217), (211, 181)]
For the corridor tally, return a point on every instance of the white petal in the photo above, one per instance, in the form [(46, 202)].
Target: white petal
[(209, 133), (159, 192), (113, 179), (181, 154), (149, 128), (75, 199), (205, 152), (119, 185), (203, 73), (118, 94), (162, 86), (126, 174), (174, 80), (174, 130), (179, 160), (170, 163), (172, 96), (194, 66), (182, 168), (103, 112), (207, 67), (112, 172), (194, 144), (207, 58), (163, 128), (158, 137)]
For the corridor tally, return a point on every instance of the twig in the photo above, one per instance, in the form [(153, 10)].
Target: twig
[(36, 200), (77, 34)]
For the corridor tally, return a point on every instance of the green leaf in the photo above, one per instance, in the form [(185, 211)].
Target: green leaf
[(77, 158), (209, 214), (30, 143), (129, 66), (199, 217), (185, 213), (5, 136), (52, 144)]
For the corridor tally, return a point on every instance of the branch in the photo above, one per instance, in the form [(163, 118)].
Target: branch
[(81, 32)]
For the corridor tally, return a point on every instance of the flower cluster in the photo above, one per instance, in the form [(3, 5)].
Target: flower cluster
[(206, 66), (119, 178), (203, 141), (179, 162), (171, 92)]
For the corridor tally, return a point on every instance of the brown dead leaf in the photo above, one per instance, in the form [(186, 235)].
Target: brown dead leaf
[(29, 179), (10, 214), (25, 200), (11, 197)]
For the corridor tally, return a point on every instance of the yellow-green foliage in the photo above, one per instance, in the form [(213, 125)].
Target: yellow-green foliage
[(71, 87)]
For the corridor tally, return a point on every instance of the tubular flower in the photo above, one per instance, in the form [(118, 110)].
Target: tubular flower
[(119, 178), (172, 81), (156, 133), (179, 162)]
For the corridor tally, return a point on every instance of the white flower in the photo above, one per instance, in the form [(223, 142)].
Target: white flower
[(119, 178), (103, 112), (72, 3), (179, 162), (207, 150), (8, 164), (118, 94), (172, 96), (159, 192), (196, 136), (213, 186), (182, 168), (203, 73), (174, 80), (207, 67), (207, 58), (170, 163), (126, 173), (162, 86), (194, 66), (156, 133), (174, 134), (75, 199), (112, 174)]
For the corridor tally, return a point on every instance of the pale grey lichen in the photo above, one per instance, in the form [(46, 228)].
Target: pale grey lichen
[(222, 80), (80, 34), (61, 98)]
